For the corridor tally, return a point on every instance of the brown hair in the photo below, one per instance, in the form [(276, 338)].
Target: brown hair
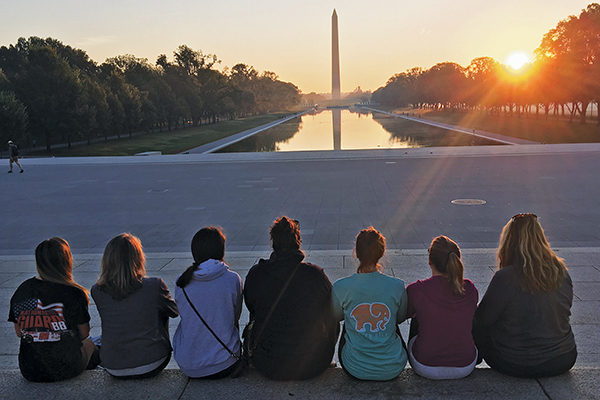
[(523, 245), (285, 234), (122, 267), (444, 255), (54, 263), (370, 246), (208, 243)]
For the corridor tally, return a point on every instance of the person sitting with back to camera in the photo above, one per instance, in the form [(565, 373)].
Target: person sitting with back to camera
[(291, 333), (371, 304), (134, 312), (207, 344), (521, 325), (50, 314), (440, 343)]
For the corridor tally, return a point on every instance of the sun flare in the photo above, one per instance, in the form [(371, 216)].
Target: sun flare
[(517, 60)]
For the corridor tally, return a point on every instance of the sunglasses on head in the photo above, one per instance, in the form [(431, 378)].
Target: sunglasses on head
[(523, 215)]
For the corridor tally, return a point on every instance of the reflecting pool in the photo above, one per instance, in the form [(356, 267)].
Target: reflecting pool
[(350, 129)]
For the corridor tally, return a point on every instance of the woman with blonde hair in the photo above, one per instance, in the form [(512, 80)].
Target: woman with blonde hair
[(440, 343), (521, 326), (134, 311), (50, 314), (371, 304)]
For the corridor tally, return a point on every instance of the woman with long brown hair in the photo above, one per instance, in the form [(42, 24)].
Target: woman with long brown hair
[(521, 326), (50, 314), (371, 304), (440, 343), (134, 311)]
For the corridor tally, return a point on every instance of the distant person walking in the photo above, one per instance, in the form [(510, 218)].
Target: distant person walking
[(13, 156)]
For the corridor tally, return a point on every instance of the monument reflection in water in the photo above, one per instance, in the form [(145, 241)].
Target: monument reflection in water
[(344, 129)]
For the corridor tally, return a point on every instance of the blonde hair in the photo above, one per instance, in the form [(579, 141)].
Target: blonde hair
[(444, 255), (370, 246), (122, 267), (54, 263), (523, 245)]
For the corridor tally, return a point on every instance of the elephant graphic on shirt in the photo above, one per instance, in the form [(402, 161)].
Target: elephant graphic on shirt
[(376, 315)]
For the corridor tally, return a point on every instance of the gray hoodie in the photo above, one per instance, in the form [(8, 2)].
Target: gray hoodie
[(216, 292)]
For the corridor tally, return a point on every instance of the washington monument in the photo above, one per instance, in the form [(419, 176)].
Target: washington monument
[(335, 58)]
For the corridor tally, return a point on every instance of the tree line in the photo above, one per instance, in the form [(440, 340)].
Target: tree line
[(564, 78), (53, 93)]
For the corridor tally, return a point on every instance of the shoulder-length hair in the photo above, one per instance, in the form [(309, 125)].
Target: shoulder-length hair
[(122, 267), (523, 245), (54, 263)]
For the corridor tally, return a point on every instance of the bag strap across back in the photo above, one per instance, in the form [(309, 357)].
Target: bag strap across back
[(236, 356)]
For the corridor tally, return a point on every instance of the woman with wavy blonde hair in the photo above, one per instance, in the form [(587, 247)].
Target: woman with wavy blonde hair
[(134, 311), (521, 326)]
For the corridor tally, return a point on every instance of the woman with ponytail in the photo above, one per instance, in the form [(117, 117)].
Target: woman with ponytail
[(50, 314), (442, 307), (521, 326), (213, 291)]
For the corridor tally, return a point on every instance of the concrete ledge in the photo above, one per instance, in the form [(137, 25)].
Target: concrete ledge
[(311, 156), (333, 384)]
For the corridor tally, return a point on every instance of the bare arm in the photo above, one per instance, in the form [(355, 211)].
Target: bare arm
[(84, 330), (17, 330)]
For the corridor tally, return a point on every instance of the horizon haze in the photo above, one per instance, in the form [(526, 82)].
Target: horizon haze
[(376, 40)]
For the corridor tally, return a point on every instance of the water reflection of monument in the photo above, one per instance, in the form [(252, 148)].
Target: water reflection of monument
[(336, 115)]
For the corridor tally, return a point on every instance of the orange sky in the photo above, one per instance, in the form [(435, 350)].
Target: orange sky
[(377, 39)]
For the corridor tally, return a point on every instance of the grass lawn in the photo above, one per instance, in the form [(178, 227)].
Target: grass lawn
[(166, 142), (537, 129)]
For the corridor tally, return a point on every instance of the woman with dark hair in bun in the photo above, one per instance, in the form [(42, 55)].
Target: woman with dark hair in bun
[(440, 343), (291, 333)]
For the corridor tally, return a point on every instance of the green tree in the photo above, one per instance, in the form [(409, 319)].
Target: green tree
[(13, 118)]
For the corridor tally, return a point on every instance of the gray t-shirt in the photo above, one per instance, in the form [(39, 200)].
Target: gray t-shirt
[(135, 330), (526, 328)]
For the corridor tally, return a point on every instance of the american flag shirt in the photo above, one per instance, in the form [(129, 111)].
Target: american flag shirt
[(44, 310)]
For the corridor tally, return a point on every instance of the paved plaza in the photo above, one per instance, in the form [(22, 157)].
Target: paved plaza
[(406, 194)]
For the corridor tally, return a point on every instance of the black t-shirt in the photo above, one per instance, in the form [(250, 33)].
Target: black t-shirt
[(48, 315)]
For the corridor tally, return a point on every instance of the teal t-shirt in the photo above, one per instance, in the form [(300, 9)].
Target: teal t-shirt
[(371, 305)]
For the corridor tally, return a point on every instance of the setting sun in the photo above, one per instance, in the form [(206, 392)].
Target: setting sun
[(517, 59)]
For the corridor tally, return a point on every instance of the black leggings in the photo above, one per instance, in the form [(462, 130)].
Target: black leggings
[(555, 366), (222, 374)]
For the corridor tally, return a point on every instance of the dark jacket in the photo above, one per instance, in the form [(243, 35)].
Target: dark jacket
[(298, 340), (524, 328)]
